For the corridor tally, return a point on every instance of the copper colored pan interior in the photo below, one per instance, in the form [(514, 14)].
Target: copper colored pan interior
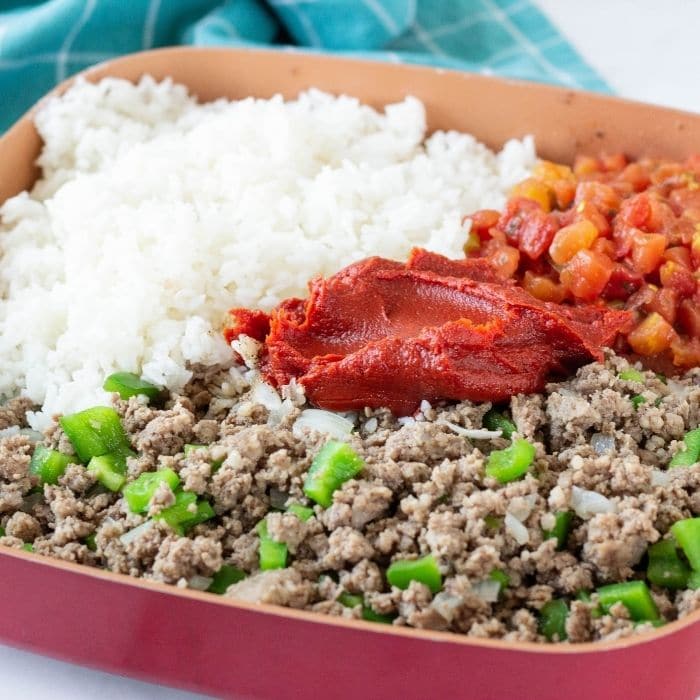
[(562, 121)]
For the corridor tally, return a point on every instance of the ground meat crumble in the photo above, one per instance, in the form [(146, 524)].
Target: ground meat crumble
[(423, 490)]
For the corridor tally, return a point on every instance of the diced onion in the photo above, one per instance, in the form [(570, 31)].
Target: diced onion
[(516, 529), (278, 415), (248, 348), (371, 425), (487, 590), (9, 432), (406, 420), (521, 506), (130, 535), (33, 435), (677, 388), (602, 444), (471, 433), (326, 422), (446, 604), (586, 503), (265, 395), (659, 477), (199, 583)]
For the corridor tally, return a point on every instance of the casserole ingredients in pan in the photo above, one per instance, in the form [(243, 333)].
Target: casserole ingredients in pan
[(569, 515)]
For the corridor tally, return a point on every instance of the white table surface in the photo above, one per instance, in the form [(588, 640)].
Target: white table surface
[(647, 51)]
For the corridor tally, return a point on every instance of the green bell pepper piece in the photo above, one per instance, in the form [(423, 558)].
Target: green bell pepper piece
[(128, 384), (139, 492), (495, 420), (371, 616), (349, 600), (552, 622), (95, 432), (424, 570), (272, 554), (694, 580), (687, 534), (110, 470), (634, 595), (226, 576), (511, 463), (335, 464), (302, 512), (49, 464), (691, 452), (186, 512), (562, 526), (665, 567), (631, 375)]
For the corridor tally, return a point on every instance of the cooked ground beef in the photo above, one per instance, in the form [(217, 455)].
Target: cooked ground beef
[(423, 490)]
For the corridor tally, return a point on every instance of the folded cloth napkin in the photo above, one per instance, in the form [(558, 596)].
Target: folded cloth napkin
[(42, 43)]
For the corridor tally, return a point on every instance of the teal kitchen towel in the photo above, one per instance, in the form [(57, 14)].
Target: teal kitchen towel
[(42, 43)]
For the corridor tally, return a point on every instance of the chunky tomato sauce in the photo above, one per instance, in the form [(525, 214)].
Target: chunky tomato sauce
[(624, 234), (386, 334)]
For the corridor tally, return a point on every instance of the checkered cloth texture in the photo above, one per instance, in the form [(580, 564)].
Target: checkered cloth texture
[(42, 43)]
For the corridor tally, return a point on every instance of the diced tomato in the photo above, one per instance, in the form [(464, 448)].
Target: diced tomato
[(686, 352), (637, 176), (685, 197), (635, 211), (483, 220), (652, 336), (641, 298), (536, 191), (677, 277), (472, 244), (528, 227), (603, 197), (624, 236), (514, 217), (543, 288), (679, 254), (695, 250), (647, 251), (537, 234), (689, 317), (559, 178), (586, 274), (585, 165), (614, 161), (550, 172), (570, 239), (623, 282), (661, 217), (505, 260), (666, 172), (564, 192), (665, 303), (605, 246), (587, 211)]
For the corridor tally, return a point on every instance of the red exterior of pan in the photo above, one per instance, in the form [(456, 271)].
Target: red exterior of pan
[(227, 648), (201, 642)]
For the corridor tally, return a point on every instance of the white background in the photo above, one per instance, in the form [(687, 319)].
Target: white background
[(646, 50)]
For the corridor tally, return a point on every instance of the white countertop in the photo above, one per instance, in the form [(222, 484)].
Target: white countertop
[(645, 51)]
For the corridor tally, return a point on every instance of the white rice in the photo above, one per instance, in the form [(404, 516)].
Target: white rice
[(156, 214)]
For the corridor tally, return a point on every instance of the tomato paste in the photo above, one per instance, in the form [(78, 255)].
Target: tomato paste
[(381, 333)]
